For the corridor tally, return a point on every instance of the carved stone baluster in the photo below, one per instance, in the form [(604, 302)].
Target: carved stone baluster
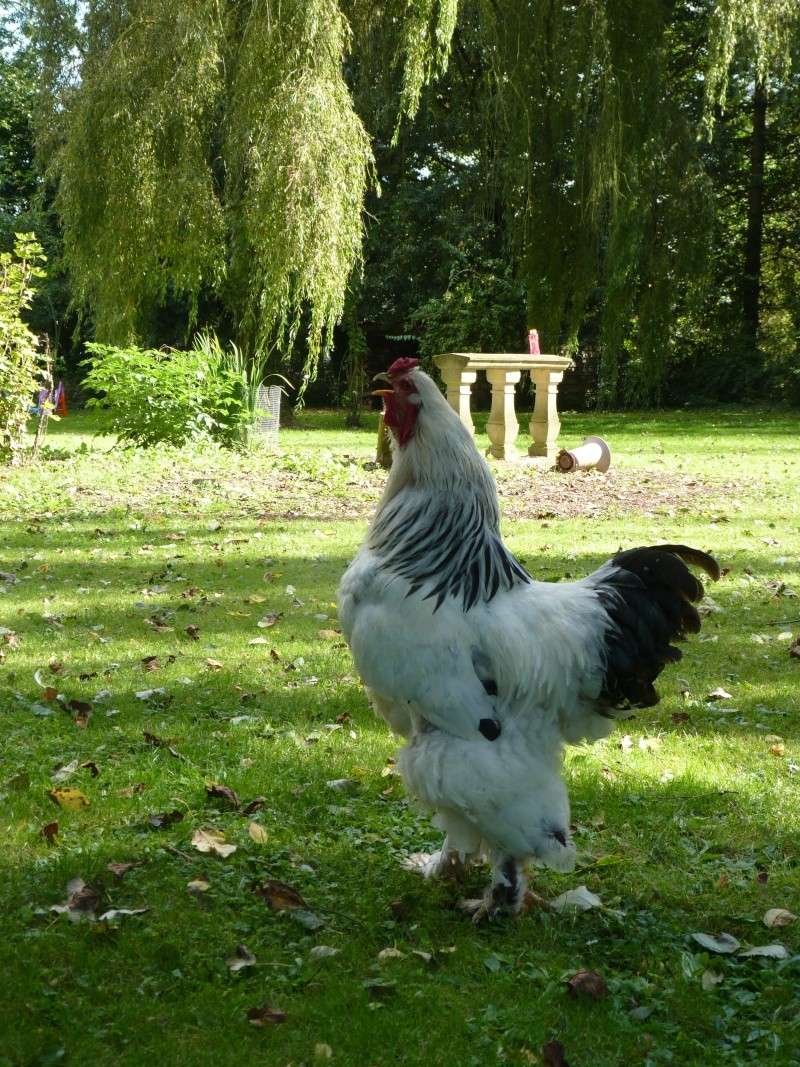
[(545, 423), (502, 426), (458, 383)]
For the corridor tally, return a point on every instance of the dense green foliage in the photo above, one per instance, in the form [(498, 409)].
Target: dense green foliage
[(172, 397), (619, 176), (20, 362), (207, 148)]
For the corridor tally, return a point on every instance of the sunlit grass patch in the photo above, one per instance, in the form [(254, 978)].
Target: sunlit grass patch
[(142, 572)]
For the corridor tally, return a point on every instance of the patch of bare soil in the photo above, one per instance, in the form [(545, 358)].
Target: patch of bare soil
[(548, 494), (525, 493)]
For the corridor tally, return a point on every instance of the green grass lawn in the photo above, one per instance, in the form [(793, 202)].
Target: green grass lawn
[(686, 819)]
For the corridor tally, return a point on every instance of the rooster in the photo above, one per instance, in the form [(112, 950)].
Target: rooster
[(484, 671)]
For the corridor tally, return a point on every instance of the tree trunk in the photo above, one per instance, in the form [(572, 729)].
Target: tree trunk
[(751, 280)]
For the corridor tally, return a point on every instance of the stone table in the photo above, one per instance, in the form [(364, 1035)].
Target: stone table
[(503, 371)]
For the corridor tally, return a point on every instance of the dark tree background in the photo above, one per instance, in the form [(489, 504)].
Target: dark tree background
[(626, 178)]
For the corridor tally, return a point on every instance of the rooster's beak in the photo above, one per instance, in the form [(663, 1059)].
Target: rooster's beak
[(382, 377)]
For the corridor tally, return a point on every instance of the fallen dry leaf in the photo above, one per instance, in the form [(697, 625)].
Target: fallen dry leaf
[(269, 619), (222, 792), (779, 917), (214, 664), (82, 712), (588, 984), (322, 1051), (165, 818), (774, 952), (580, 899), (50, 832), (71, 799), (151, 663), (266, 1015), (193, 632), (241, 958), (329, 635), (212, 841), (257, 833), (119, 870), (723, 944), (198, 885), (553, 1054), (709, 979), (777, 750), (794, 648), (131, 790), (719, 694), (116, 913), (255, 805), (280, 897)]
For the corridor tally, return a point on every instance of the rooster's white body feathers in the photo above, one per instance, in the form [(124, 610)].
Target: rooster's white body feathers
[(449, 634)]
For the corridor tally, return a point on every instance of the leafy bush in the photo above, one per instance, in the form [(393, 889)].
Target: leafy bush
[(482, 310), (20, 365), (250, 374), (168, 397)]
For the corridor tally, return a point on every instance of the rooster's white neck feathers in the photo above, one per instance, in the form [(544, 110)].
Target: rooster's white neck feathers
[(438, 523)]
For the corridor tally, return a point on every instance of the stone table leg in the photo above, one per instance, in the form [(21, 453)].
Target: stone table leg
[(503, 426), (459, 391), (545, 423)]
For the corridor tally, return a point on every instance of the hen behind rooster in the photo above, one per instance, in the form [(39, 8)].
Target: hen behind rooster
[(486, 672)]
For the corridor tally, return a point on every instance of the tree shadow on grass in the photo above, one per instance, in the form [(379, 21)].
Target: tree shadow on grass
[(206, 583)]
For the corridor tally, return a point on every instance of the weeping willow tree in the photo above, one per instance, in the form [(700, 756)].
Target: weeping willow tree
[(210, 146), (207, 147)]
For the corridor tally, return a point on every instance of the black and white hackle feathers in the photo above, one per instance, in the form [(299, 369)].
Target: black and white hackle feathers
[(485, 671)]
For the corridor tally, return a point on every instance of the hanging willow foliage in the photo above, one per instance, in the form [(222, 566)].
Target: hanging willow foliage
[(601, 170), (767, 28), (412, 36), (297, 162), (135, 189), (212, 147)]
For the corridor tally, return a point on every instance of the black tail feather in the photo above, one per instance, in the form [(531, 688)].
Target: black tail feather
[(649, 595)]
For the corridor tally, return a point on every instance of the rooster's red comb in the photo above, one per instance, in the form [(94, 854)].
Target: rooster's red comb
[(402, 366)]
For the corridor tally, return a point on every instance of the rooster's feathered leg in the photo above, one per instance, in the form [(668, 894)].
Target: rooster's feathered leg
[(446, 863), (504, 896)]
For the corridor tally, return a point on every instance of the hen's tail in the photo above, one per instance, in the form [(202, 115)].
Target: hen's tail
[(649, 596)]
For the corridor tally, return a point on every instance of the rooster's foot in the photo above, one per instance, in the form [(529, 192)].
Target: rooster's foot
[(505, 896), (439, 864), (483, 909)]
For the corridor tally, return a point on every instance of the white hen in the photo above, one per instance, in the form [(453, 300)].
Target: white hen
[(486, 672)]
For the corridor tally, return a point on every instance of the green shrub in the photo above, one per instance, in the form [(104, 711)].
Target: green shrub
[(20, 363), (168, 397), (250, 373)]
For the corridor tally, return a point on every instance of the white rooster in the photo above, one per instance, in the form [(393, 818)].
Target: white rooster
[(486, 672)]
